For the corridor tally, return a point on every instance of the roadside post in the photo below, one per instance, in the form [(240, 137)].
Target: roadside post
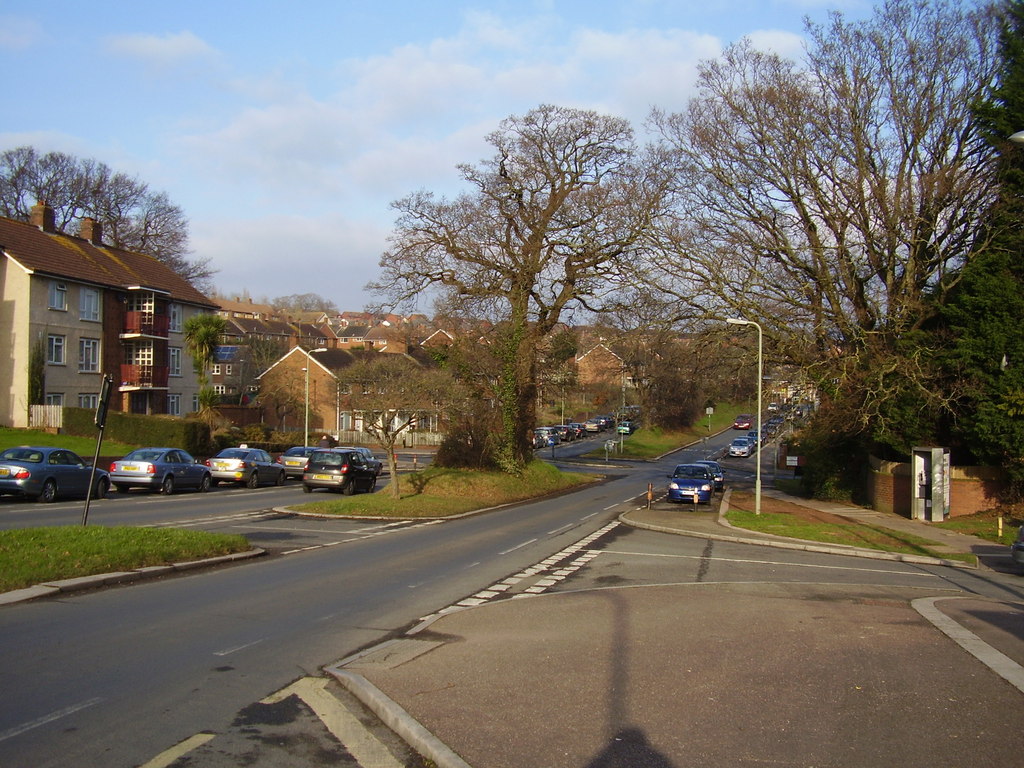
[(100, 420), (609, 445), (650, 494)]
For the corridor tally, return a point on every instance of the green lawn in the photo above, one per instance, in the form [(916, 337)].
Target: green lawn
[(440, 492), (31, 556)]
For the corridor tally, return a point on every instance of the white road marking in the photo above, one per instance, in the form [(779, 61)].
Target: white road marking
[(518, 546), (770, 562), (229, 651), (18, 729)]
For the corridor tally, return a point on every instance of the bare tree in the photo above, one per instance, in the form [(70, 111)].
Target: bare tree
[(133, 217), (831, 199), (303, 302), (552, 217), (393, 393)]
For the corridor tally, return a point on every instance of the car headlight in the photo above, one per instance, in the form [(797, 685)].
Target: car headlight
[(706, 487), (673, 486)]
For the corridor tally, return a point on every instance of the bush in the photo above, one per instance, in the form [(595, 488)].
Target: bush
[(137, 429)]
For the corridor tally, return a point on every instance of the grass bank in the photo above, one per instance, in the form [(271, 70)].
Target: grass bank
[(793, 521), (440, 492), (31, 556), (83, 446), (650, 442)]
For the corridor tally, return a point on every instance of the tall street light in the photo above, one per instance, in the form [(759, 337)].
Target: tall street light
[(760, 367), (305, 433)]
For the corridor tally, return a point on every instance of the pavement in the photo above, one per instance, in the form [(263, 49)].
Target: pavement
[(669, 676)]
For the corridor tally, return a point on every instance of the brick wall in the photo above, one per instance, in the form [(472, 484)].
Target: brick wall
[(971, 489)]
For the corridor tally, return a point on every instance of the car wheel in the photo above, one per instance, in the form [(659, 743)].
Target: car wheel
[(280, 478), (373, 484), (306, 488), (253, 481), (349, 488), (122, 488), (167, 486), (102, 486), (49, 492), (204, 484), (214, 482)]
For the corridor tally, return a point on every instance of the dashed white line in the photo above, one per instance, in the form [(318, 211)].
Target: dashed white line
[(229, 651), (18, 729), (518, 546)]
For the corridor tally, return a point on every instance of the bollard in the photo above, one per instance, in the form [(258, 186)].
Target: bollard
[(650, 494), (414, 462)]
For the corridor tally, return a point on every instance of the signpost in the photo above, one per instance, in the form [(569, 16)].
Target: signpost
[(100, 420)]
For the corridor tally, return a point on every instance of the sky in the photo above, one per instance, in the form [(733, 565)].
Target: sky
[(284, 130)]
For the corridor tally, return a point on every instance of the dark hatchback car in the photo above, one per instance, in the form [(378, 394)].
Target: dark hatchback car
[(44, 473), (717, 473), (159, 469), (339, 469)]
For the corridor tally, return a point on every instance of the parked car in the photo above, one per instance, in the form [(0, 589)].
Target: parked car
[(159, 469), (626, 428), (717, 473), (578, 429), (743, 421), (550, 435), (539, 438), (294, 460), (565, 434), (46, 473), (376, 464), (246, 466), (1017, 548), (741, 446), (338, 469), (592, 425), (692, 483)]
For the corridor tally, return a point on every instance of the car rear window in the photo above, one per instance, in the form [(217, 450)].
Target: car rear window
[(22, 454)]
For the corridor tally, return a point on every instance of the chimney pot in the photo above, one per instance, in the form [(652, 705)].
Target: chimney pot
[(42, 216)]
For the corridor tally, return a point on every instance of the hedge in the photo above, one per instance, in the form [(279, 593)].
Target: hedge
[(136, 429)]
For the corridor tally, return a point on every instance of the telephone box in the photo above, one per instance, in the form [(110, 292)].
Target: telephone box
[(930, 478)]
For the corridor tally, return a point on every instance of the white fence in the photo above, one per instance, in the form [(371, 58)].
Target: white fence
[(46, 416)]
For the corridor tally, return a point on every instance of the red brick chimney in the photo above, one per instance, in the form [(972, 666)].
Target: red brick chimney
[(42, 216), (91, 230)]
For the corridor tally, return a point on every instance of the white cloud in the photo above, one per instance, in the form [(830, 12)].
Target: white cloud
[(785, 44), (17, 34), (163, 52)]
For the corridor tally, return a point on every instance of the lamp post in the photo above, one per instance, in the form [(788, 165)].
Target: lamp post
[(305, 433), (760, 376)]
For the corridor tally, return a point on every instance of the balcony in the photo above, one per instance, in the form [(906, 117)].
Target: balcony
[(145, 324), (143, 377)]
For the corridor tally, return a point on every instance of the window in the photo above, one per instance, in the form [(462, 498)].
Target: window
[(88, 400), (89, 304), (220, 389), (174, 313), (55, 350), (58, 296), (227, 370), (216, 369), (88, 355), (174, 361), (195, 403), (55, 398), (174, 405)]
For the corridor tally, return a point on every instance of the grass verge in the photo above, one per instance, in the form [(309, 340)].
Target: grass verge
[(801, 523), (31, 556), (439, 492), (83, 446), (985, 525)]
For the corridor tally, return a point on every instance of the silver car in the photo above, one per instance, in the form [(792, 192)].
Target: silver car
[(246, 466), (159, 469), (45, 473)]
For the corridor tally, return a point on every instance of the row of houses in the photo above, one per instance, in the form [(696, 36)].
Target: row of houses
[(74, 308)]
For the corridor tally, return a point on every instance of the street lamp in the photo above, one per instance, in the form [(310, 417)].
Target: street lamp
[(760, 366), (305, 433)]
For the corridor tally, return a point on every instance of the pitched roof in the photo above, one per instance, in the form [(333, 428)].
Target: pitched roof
[(74, 258)]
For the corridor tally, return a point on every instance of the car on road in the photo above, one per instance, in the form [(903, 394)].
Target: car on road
[(549, 435), (46, 473), (338, 469), (159, 469), (294, 460), (592, 425), (717, 473), (743, 421), (691, 483), (578, 429), (741, 446), (1017, 548), (246, 466), (376, 464), (626, 427)]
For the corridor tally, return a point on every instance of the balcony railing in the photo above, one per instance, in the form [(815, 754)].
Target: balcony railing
[(144, 376), (146, 324)]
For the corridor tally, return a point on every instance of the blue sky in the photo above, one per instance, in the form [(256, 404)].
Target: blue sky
[(285, 129)]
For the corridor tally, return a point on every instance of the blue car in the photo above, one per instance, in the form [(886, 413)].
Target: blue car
[(692, 483), (45, 474), (159, 469), (717, 473)]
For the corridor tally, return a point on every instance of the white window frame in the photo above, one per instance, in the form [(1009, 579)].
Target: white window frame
[(88, 399), (89, 305), (215, 370), (174, 358), (220, 389), (56, 349), (88, 362), (174, 404), (175, 313), (54, 398), (57, 297)]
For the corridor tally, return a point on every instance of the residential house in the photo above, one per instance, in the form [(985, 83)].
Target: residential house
[(74, 309)]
